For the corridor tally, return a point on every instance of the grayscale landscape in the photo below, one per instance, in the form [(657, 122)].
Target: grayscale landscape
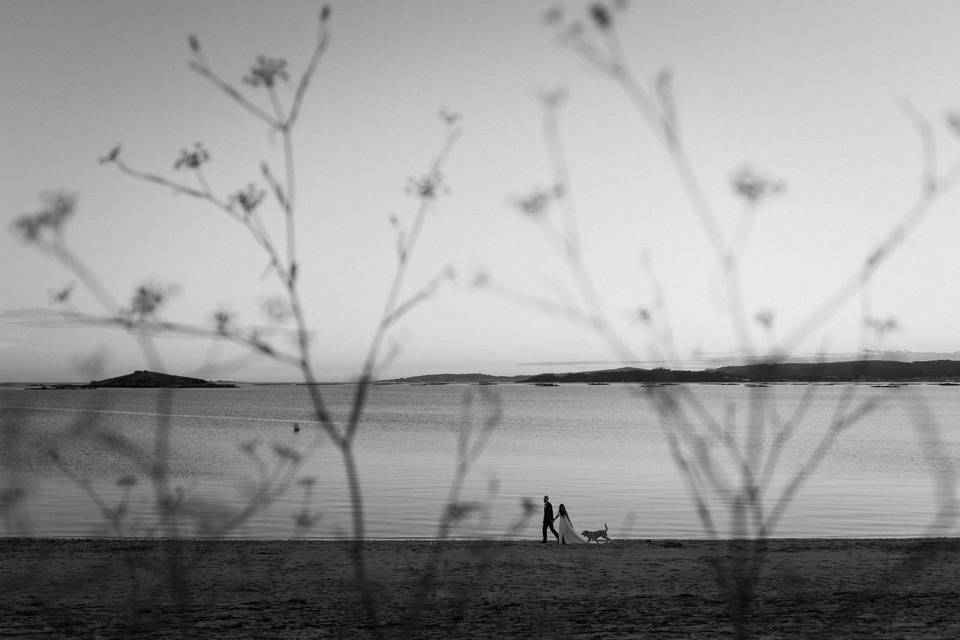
[(399, 319)]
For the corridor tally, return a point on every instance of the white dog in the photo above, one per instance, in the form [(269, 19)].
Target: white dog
[(596, 535)]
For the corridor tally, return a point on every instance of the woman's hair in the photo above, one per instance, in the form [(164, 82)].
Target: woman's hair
[(563, 511)]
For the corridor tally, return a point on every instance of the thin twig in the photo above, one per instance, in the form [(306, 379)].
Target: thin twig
[(232, 93), (370, 362)]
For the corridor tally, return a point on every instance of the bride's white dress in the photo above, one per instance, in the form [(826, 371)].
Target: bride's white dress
[(567, 534)]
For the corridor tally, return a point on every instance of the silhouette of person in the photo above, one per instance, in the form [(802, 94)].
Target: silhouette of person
[(567, 532), (548, 519)]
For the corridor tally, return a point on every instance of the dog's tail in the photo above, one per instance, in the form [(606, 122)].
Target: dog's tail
[(604, 527)]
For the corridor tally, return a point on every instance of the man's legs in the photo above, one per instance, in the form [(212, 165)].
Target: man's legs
[(549, 525)]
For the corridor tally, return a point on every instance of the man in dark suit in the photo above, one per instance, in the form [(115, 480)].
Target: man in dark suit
[(548, 519)]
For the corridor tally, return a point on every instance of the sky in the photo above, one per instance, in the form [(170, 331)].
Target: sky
[(810, 94)]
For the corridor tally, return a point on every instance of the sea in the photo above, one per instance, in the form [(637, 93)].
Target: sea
[(475, 461)]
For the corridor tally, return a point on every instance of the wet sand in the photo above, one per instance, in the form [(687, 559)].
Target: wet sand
[(836, 588)]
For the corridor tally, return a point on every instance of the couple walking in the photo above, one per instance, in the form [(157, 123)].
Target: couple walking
[(567, 533)]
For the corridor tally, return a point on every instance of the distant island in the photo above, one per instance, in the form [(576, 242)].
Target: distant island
[(146, 380), (454, 378), (853, 371)]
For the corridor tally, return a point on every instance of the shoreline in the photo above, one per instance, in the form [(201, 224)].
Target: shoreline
[(775, 541), (667, 588)]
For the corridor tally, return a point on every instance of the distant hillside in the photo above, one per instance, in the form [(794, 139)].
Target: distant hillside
[(454, 378), (854, 371), (859, 370), (146, 379), (633, 374)]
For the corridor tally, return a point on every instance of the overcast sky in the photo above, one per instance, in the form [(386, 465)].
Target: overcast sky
[(809, 93)]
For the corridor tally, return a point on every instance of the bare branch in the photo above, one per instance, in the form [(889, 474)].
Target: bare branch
[(426, 200), (235, 95), (427, 292), (837, 426), (250, 340), (928, 172), (323, 40), (163, 182)]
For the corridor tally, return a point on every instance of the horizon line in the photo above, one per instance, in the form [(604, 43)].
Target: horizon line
[(717, 360)]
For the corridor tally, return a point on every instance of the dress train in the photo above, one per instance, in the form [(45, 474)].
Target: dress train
[(567, 532)]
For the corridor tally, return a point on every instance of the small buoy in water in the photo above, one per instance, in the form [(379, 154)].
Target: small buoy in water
[(296, 427)]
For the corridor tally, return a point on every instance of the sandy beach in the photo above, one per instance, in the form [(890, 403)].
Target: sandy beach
[(837, 588)]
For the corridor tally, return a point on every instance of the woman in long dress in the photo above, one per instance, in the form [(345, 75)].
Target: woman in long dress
[(565, 528)]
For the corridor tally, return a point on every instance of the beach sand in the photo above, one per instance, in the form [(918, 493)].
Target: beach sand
[(833, 588)]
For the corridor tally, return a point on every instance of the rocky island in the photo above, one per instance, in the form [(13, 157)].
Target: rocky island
[(146, 380)]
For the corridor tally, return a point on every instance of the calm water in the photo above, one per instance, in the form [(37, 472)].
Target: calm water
[(601, 450)]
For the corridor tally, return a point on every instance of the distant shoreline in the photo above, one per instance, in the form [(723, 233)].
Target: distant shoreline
[(945, 372), (888, 371), (32, 386)]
